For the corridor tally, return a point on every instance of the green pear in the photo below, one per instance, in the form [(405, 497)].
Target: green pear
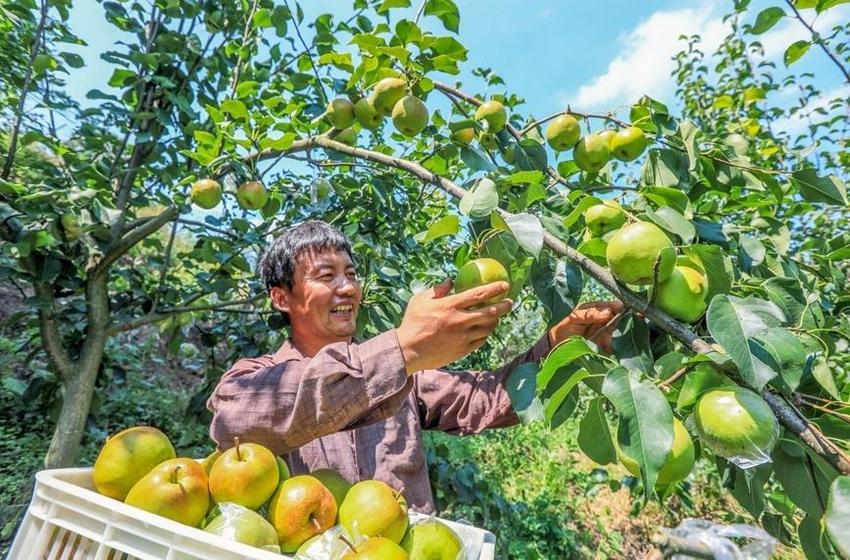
[(488, 141), (70, 226), (246, 474), (387, 93), (301, 508), (683, 294), (206, 193), (431, 540), (608, 135), (633, 250), (563, 133), (677, 465), (128, 456), (592, 153), (410, 116), (372, 508), (376, 548), (239, 524), (334, 482), (463, 136), (347, 136), (494, 113), (176, 489), (282, 469), (735, 422), (628, 144), (604, 217), (252, 195), (340, 113), (209, 460), (367, 114)]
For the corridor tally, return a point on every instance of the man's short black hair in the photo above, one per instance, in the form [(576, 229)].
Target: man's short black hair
[(277, 265)]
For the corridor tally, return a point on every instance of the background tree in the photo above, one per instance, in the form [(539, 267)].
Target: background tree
[(102, 232)]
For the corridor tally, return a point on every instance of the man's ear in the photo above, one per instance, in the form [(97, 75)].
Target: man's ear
[(280, 298)]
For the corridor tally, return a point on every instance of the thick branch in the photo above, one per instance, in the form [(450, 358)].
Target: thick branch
[(51, 338), (124, 244), (19, 114), (786, 414), (817, 39), (166, 313)]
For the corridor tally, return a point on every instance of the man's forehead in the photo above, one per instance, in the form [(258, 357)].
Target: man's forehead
[(317, 258)]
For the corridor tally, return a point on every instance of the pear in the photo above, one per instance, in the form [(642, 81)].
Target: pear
[(683, 294), (608, 134), (592, 153), (176, 489), (209, 460), (494, 113), (242, 525), (387, 93), (334, 482), (604, 217), (128, 456), (633, 250), (330, 545), (488, 141), (628, 144), (206, 193), (463, 136), (340, 113), (301, 508), (376, 548), (282, 469), (367, 114), (252, 195), (432, 540), (347, 136), (246, 474), (372, 508), (70, 226), (410, 116), (563, 133)]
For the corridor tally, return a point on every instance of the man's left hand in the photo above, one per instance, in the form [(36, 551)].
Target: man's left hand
[(590, 320)]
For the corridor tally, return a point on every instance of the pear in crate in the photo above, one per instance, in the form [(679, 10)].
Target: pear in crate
[(301, 508), (372, 508), (246, 474), (432, 540), (376, 548), (242, 525), (176, 489), (128, 456)]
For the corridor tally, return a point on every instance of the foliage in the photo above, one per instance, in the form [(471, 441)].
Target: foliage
[(235, 92)]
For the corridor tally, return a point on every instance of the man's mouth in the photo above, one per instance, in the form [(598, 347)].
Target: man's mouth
[(342, 309)]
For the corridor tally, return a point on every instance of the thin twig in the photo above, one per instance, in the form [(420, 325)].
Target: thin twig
[(817, 39), (304, 44)]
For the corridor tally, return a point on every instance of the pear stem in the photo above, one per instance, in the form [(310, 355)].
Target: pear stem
[(174, 474), (316, 524), (238, 453), (399, 493), (348, 543)]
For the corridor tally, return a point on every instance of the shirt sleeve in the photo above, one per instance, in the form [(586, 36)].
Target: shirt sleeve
[(468, 402), (286, 405)]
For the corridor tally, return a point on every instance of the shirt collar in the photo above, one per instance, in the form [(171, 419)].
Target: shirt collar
[(288, 351)]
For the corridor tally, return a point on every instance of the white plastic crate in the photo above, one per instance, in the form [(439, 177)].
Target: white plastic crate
[(68, 520)]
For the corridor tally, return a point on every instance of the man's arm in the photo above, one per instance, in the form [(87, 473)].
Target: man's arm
[(287, 405)]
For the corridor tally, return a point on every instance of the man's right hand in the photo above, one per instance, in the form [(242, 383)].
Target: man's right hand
[(439, 328)]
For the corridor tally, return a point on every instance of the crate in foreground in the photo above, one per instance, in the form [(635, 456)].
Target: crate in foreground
[(68, 520)]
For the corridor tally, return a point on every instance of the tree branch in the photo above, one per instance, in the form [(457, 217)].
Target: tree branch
[(166, 313), (306, 48), (19, 114), (51, 338), (786, 414), (119, 248), (817, 39)]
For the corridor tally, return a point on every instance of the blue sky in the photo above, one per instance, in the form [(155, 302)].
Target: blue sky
[(592, 55)]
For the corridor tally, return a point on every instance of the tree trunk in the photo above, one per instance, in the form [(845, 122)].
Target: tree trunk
[(79, 386)]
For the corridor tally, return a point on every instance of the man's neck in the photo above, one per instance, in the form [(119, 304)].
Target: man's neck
[(310, 346)]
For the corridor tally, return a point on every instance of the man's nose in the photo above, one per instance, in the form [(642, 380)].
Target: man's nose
[(347, 286)]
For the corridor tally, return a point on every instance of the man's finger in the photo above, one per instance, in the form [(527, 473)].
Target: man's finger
[(493, 310), (443, 289), (479, 294)]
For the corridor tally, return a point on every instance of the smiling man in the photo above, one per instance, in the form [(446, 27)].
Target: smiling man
[(324, 400)]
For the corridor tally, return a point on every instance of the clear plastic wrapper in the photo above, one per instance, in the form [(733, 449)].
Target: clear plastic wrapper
[(240, 524), (327, 546), (720, 540), (428, 536), (744, 452)]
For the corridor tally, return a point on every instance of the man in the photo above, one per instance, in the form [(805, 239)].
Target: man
[(325, 401)]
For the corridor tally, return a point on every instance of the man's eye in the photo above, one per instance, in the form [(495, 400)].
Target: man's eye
[(326, 277)]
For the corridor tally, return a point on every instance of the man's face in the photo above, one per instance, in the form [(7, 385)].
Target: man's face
[(324, 299)]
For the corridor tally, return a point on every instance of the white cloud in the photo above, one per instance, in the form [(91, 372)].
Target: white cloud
[(798, 124), (644, 64)]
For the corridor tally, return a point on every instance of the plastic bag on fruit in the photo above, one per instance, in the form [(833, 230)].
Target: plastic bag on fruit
[(327, 546), (240, 524), (428, 533), (718, 539)]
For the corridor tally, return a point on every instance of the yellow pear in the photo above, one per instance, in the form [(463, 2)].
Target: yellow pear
[(176, 489), (387, 93), (410, 116), (128, 456), (341, 113), (246, 474), (494, 113)]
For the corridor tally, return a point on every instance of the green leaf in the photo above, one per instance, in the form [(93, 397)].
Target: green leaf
[(338, 60), (747, 486), (688, 133), (810, 533), (120, 77), (804, 477), (479, 201), (666, 196), (824, 5), (732, 322), (824, 376), (282, 143), (583, 204), (562, 402), (561, 356), (72, 59), (645, 431), (794, 51), (666, 168), (446, 11), (752, 251), (697, 381), (631, 344), (447, 225), (837, 518), (530, 155), (387, 5), (558, 284), (263, 18), (787, 354), (669, 219), (522, 390), (235, 108), (528, 231), (594, 434), (475, 160), (766, 19), (787, 293), (813, 188)]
